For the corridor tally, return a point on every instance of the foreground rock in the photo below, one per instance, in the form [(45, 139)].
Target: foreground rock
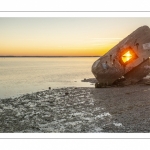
[(58, 110), (81, 110), (128, 105)]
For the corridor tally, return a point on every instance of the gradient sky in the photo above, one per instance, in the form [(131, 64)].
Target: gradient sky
[(64, 36)]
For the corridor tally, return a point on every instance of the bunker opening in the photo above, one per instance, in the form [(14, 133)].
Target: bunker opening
[(127, 56)]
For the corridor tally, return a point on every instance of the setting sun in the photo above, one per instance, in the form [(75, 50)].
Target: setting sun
[(126, 57)]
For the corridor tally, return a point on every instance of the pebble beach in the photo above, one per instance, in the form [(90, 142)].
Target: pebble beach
[(78, 110)]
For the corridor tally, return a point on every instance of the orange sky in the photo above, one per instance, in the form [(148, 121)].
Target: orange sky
[(64, 36), (43, 51)]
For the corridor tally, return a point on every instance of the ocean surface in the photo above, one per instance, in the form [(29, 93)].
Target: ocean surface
[(22, 75)]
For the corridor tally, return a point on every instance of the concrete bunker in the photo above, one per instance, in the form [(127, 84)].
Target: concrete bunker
[(128, 60)]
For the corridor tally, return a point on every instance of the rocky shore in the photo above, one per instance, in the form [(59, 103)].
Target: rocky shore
[(78, 110)]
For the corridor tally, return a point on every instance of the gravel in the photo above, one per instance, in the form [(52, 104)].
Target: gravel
[(78, 110)]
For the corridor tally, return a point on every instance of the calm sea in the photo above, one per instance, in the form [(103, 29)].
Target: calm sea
[(21, 75)]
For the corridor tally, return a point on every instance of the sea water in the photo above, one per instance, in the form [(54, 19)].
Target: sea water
[(21, 75)]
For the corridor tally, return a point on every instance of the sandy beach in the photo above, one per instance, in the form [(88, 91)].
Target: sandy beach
[(78, 110)]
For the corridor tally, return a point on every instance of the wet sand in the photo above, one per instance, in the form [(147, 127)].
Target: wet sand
[(78, 110)]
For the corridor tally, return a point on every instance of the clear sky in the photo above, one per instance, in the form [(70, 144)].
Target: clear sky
[(64, 36)]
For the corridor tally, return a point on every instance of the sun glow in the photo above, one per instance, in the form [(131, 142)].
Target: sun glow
[(126, 57)]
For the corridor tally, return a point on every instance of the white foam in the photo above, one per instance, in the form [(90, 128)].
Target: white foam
[(118, 124), (101, 116)]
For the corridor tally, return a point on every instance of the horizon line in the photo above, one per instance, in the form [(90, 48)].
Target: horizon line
[(48, 56)]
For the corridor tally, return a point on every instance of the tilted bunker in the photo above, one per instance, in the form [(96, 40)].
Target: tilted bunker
[(129, 59)]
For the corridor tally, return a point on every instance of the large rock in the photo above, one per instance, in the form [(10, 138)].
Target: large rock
[(132, 52)]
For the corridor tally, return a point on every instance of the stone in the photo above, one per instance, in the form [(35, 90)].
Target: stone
[(66, 93), (129, 58), (147, 83)]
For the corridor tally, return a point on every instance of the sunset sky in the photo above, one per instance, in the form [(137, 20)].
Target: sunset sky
[(64, 36)]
